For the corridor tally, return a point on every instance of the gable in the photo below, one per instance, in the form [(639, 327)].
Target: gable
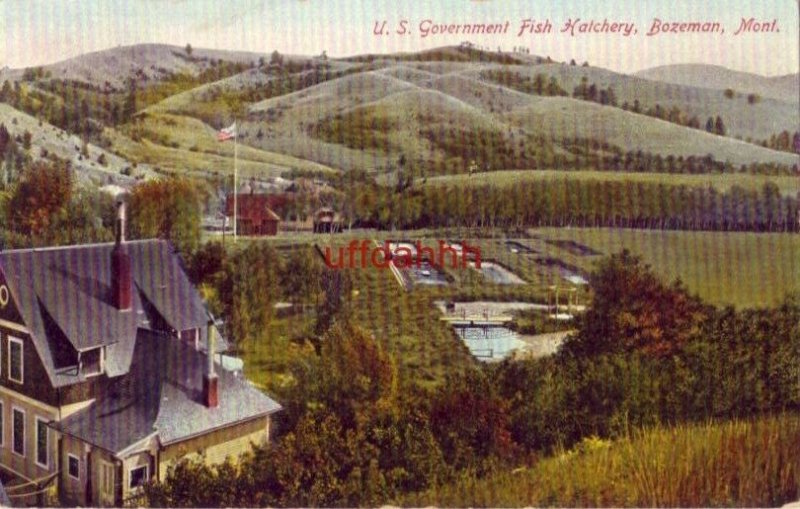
[(9, 311)]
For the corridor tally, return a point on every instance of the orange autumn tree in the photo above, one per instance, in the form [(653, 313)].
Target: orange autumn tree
[(632, 310), (42, 194)]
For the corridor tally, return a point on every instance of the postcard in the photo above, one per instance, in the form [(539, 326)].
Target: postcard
[(349, 253)]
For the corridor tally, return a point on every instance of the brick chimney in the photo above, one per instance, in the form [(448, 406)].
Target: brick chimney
[(210, 379), (121, 280)]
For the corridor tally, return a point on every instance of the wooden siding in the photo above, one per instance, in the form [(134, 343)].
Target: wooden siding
[(26, 466), (214, 447)]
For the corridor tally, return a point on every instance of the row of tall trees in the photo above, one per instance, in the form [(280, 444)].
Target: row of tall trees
[(577, 203)]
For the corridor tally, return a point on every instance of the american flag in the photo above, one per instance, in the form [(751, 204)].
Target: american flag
[(227, 133)]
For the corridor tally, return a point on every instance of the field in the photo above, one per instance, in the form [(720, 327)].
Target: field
[(743, 269), (744, 463), (788, 185), (738, 268)]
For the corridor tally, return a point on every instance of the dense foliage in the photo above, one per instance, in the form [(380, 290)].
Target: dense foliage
[(43, 206), (168, 209), (646, 354)]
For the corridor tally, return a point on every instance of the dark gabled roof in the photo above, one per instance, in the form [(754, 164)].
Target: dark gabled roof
[(63, 296), (162, 396)]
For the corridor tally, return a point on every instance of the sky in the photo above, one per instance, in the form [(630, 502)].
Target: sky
[(38, 32)]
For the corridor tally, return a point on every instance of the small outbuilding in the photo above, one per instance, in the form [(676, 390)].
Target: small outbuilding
[(326, 220), (254, 216)]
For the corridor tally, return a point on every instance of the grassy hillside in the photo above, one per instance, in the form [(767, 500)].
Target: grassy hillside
[(47, 139), (148, 61), (740, 463), (561, 117), (555, 118), (185, 145), (783, 88), (769, 115), (445, 89), (442, 110)]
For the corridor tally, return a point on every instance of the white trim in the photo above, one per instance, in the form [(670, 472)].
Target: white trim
[(14, 409), (43, 421), (146, 468), (134, 447), (69, 456), (21, 343), (14, 326), (106, 466)]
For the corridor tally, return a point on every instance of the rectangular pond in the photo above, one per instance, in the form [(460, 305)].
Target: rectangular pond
[(495, 273), (567, 271), (490, 343)]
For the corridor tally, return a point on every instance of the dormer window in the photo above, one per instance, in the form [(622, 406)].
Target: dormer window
[(92, 361)]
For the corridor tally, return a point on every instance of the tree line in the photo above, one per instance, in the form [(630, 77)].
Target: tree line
[(584, 203)]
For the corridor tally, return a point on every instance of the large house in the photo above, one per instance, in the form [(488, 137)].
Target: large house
[(110, 374)]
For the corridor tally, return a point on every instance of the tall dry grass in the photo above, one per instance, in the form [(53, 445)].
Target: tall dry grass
[(740, 463)]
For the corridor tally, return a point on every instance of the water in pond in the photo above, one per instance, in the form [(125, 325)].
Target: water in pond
[(496, 273), (490, 343), (426, 274)]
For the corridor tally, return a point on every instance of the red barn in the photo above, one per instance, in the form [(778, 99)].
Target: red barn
[(254, 215)]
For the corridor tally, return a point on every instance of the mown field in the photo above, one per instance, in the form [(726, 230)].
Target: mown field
[(742, 269), (788, 185), (740, 463)]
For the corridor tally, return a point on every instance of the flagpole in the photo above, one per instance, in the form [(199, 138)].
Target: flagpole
[(235, 183)]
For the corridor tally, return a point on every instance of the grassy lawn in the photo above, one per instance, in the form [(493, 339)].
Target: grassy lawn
[(740, 463), (738, 268), (788, 185), (743, 269)]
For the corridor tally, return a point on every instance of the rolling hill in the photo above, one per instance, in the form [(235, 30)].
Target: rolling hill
[(756, 121), (47, 139), (150, 61), (397, 104), (440, 109), (784, 88)]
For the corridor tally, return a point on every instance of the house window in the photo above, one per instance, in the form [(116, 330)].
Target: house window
[(15, 367), (18, 431), (138, 476), (42, 442), (92, 362), (74, 466)]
